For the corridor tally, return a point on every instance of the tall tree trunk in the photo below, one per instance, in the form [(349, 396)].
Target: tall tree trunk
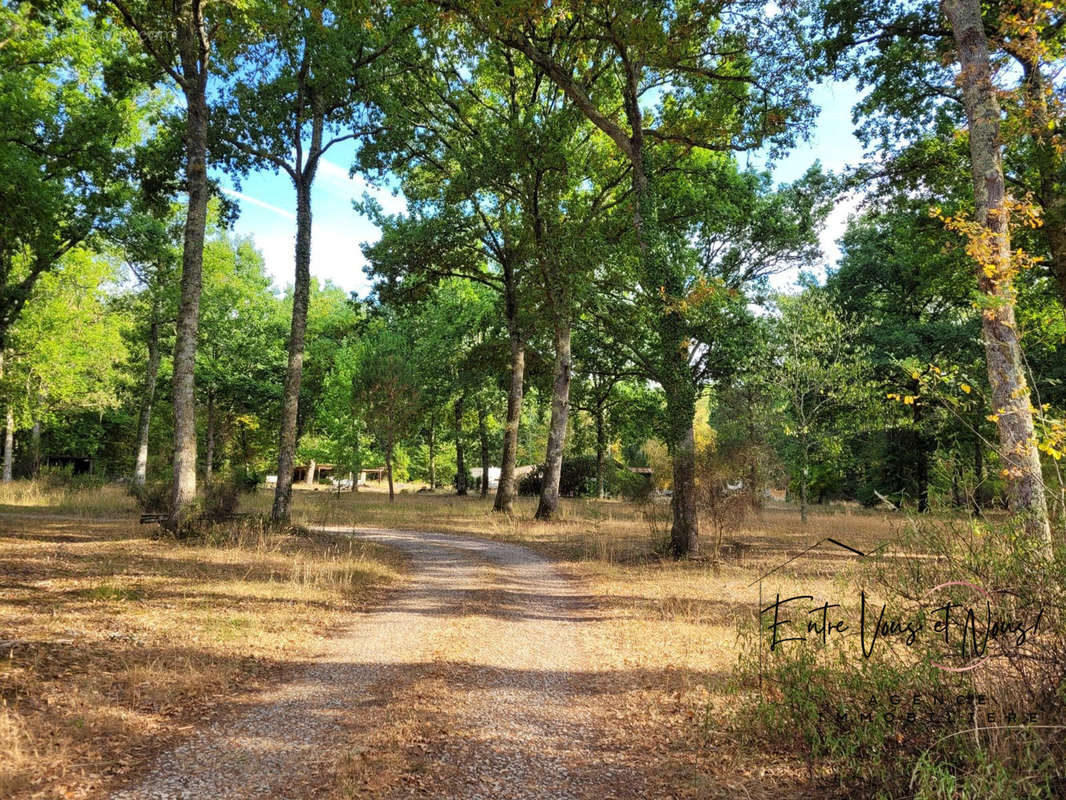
[(1010, 392), (461, 477), (505, 489), (388, 470), (194, 65), (9, 441), (754, 442), (601, 451), (671, 334), (553, 459), (9, 428), (684, 533), (921, 456), (290, 403), (35, 449), (151, 373), (483, 438), (432, 451), (209, 455)]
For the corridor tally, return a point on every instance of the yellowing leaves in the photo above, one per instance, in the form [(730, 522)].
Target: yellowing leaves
[(906, 399)]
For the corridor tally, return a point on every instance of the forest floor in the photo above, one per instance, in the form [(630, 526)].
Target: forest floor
[(579, 664)]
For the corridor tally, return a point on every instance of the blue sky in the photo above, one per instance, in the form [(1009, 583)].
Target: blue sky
[(267, 201)]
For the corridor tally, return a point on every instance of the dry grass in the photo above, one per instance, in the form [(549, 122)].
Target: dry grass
[(671, 633), (123, 643), (40, 498), (115, 645)]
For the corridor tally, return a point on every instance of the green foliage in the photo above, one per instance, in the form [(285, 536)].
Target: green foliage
[(65, 349), (579, 479), (67, 86), (820, 372)]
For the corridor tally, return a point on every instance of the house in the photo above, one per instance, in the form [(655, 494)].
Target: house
[(307, 474), (376, 474), (311, 473)]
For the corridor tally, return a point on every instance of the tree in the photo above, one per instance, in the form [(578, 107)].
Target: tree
[(385, 387), (459, 148), (818, 371), (305, 86), (905, 54), (907, 278), (990, 246), (240, 359), (726, 77), (146, 239), (70, 123), (182, 37), (65, 348)]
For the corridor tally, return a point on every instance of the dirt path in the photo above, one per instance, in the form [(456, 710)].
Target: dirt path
[(473, 682)]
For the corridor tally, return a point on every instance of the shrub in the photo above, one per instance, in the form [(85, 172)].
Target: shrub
[(578, 479), (221, 499), (897, 725), (153, 497)]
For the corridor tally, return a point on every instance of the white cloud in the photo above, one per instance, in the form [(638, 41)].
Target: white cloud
[(335, 256), (255, 201), (336, 177)]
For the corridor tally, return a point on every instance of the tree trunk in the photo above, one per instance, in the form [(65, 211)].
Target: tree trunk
[(461, 477), (388, 469), (684, 533), (209, 456), (35, 449), (483, 438), (151, 373), (505, 489), (921, 456), (9, 441), (804, 478), (194, 64), (670, 332), (1010, 392), (601, 451), (432, 451), (309, 478), (754, 442), (290, 403), (9, 428), (553, 459)]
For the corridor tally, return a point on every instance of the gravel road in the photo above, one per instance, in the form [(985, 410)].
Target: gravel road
[(472, 682)]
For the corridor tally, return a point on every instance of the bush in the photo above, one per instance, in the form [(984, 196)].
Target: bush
[(246, 480), (578, 479), (153, 497), (896, 724), (221, 499)]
